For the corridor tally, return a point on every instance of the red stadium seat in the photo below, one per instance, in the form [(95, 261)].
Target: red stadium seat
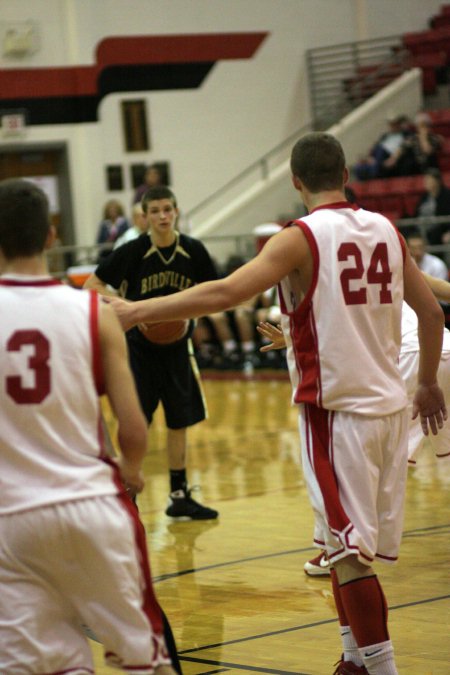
[(410, 204), (441, 21), (444, 163), (370, 203), (392, 203), (440, 115), (392, 215)]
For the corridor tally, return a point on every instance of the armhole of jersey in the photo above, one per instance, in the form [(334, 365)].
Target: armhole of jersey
[(310, 238), (97, 370), (402, 242)]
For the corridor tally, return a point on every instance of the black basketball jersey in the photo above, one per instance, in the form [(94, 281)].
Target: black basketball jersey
[(140, 270)]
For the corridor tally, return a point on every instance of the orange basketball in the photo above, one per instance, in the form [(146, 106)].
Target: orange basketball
[(165, 332)]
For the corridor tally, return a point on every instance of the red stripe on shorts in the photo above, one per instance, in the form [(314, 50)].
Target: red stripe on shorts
[(319, 430), (150, 604)]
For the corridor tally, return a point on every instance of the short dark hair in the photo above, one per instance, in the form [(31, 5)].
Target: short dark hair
[(318, 160), (24, 218), (157, 192)]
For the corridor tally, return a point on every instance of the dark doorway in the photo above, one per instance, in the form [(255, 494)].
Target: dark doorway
[(48, 166)]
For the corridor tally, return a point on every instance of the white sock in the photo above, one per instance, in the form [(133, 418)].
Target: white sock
[(351, 651), (229, 346), (379, 658), (248, 346)]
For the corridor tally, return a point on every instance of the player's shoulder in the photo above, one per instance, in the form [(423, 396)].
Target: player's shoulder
[(141, 242), (191, 244)]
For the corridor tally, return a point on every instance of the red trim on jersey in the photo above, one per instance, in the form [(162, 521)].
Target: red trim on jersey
[(401, 240), (97, 368), (336, 205), (319, 448), (5, 281), (304, 332)]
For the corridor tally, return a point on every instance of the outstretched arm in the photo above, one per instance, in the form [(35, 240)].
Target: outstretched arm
[(440, 288), (283, 253)]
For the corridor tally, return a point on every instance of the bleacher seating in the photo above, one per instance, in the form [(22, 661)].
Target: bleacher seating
[(394, 197), (428, 42), (441, 121), (388, 195), (430, 65), (426, 49)]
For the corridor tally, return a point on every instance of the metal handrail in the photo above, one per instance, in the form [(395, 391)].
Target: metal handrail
[(88, 254), (344, 59)]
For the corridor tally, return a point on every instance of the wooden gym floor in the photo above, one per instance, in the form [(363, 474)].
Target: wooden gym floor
[(235, 591)]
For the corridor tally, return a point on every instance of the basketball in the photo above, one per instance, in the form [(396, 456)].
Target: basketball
[(165, 332)]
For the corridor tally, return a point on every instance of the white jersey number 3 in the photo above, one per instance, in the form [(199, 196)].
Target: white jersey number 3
[(37, 363), (378, 272)]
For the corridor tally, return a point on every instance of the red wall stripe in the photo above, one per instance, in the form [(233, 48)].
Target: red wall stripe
[(177, 48), (22, 83)]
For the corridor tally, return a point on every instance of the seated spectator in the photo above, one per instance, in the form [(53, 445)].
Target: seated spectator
[(140, 226), (380, 161), (226, 340), (435, 201), (153, 177), (113, 225), (426, 262), (419, 151)]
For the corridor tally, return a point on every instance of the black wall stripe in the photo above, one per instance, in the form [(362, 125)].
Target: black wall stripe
[(79, 109)]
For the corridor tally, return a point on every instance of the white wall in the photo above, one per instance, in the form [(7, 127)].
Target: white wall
[(274, 195), (392, 17), (242, 110)]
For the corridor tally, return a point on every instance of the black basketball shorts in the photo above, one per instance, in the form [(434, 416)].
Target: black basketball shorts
[(168, 374)]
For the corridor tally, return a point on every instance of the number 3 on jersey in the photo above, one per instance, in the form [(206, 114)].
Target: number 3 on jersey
[(37, 363), (378, 272)]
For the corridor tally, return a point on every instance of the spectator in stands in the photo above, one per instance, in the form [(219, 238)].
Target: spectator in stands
[(153, 177), (426, 262), (419, 152), (227, 340), (139, 227), (235, 330), (435, 201), (383, 155), (113, 225)]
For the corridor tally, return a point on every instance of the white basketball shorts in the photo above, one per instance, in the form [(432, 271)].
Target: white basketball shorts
[(355, 469), (75, 564)]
